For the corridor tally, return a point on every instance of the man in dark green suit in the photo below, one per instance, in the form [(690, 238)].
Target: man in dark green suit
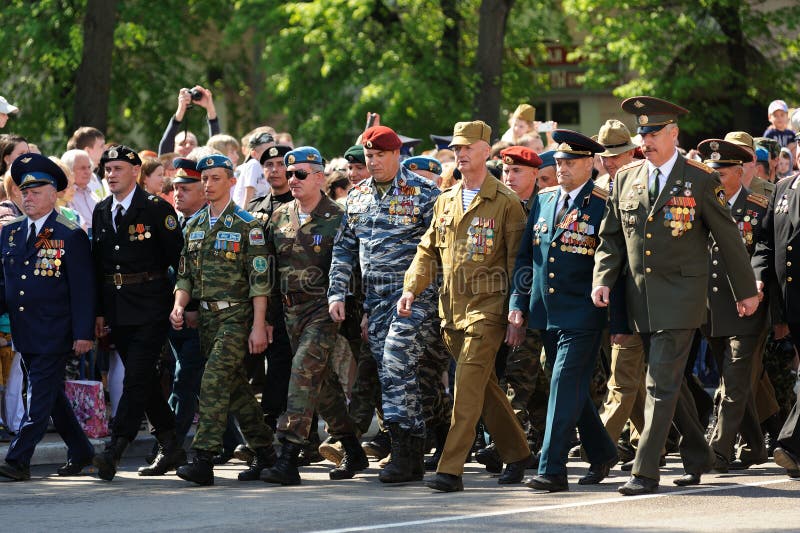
[(658, 221)]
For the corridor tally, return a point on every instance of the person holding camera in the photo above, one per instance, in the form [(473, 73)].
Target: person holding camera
[(185, 141)]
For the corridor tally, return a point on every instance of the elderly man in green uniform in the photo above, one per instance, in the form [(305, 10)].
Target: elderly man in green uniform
[(300, 242), (475, 233), (734, 341), (658, 221), (223, 265), (749, 179)]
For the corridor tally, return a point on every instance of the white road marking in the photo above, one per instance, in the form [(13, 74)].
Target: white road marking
[(540, 508)]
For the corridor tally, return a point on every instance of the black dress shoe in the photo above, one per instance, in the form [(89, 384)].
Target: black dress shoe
[(73, 468), (490, 458), (687, 480), (637, 485), (721, 464), (786, 459), (445, 483), (627, 467), (597, 473), (744, 464), (549, 482), (15, 472), (514, 472)]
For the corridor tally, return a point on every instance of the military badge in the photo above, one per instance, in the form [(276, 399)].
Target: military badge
[(719, 192), (643, 119), (273, 152), (228, 221), (182, 266), (256, 237), (130, 156), (714, 145), (311, 157), (412, 166), (508, 160), (113, 154), (260, 264), (368, 144), (27, 160), (715, 156), (170, 223), (290, 159), (638, 104)]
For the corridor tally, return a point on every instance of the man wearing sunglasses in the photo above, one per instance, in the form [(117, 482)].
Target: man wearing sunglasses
[(385, 217)]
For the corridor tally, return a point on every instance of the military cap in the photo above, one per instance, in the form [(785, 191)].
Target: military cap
[(7, 108), (407, 148), (279, 150), (772, 146), (470, 132), (355, 154), (520, 155), (34, 170), (185, 170), (574, 145), (525, 112), (214, 161), (381, 138), (652, 114), (615, 138), (303, 154), (441, 141), (423, 162), (718, 153), (120, 152), (762, 154), (259, 139), (547, 159)]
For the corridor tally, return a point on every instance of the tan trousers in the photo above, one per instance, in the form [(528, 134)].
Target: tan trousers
[(626, 387)]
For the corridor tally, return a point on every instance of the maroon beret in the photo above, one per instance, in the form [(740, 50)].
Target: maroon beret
[(381, 138), (521, 155)]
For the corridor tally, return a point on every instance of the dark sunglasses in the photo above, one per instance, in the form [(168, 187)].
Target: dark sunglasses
[(299, 174)]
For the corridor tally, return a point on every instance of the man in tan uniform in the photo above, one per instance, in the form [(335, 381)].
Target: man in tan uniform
[(474, 234)]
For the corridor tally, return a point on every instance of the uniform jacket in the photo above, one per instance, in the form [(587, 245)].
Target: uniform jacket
[(777, 255), (552, 280), (762, 187), (666, 245), (382, 234), (48, 290), (224, 262), (300, 255), (723, 320), (149, 240), (263, 206), (476, 250)]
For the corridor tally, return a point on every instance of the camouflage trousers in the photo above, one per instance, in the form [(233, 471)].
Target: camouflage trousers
[(366, 394), (397, 344), (313, 384), (224, 388), (437, 403)]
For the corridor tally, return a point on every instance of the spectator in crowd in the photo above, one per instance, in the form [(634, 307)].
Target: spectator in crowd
[(336, 186), (6, 109), (93, 142), (83, 199), (784, 163), (185, 141), (151, 176), (250, 180), (11, 147), (227, 146), (778, 114)]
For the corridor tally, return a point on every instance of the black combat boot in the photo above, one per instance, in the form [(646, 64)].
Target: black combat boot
[(285, 470), (416, 457), (440, 437), (490, 458), (170, 456), (200, 470), (355, 460), (107, 461), (262, 458), (380, 445), (399, 469)]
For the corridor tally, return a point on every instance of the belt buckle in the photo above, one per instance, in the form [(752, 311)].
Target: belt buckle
[(118, 279), (287, 300)]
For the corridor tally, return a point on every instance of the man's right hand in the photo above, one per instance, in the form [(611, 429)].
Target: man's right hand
[(600, 296), (176, 317), (100, 327), (184, 101), (336, 310)]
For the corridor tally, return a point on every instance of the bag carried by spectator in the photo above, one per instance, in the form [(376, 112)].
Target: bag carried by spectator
[(89, 405)]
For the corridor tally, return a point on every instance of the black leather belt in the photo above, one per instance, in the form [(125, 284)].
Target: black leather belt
[(131, 279), (298, 298)]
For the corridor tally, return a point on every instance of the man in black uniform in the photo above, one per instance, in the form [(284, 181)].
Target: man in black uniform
[(136, 238)]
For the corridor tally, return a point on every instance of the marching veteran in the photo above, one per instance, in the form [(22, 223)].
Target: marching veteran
[(47, 289), (474, 235), (659, 217), (551, 284), (223, 265)]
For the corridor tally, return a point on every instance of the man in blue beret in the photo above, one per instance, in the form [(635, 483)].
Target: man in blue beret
[(547, 170), (49, 295), (425, 166)]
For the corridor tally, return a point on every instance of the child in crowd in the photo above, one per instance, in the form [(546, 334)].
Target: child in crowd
[(778, 113)]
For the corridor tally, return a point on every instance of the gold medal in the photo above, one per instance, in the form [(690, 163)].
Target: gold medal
[(590, 251), (140, 237), (230, 255), (675, 233), (36, 272), (49, 272), (317, 249), (57, 262), (688, 225)]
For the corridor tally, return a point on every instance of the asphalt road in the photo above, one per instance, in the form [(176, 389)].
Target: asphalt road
[(760, 499)]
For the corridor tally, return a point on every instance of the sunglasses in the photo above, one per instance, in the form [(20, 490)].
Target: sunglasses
[(299, 174)]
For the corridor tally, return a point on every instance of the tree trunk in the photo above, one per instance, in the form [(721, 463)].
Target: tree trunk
[(491, 34), (93, 78)]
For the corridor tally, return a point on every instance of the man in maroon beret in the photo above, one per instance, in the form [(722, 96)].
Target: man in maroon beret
[(520, 169)]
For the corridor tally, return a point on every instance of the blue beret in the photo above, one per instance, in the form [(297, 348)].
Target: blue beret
[(762, 154), (303, 154), (423, 162), (214, 161), (547, 159), (34, 170)]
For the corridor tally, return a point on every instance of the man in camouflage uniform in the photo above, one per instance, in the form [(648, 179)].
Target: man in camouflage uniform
[(385, 216), (300, 240), (223, 265)]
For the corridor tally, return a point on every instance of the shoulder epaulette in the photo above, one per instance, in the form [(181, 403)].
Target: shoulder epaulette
[(244, 215), (549, 189), (758, 199), (702, 166), (17, 219), (71, 224), (153, 198), (600, 192), (632, 164)]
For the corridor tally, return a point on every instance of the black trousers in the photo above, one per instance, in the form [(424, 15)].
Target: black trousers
[(139, 348), (789, 437)]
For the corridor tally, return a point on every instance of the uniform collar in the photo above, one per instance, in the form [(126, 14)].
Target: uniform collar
[(125, 203), (39, 222), (666, 168)]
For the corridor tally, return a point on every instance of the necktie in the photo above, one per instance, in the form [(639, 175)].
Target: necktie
[(31, 236), (563, 210), (655, 187), (118, 217)]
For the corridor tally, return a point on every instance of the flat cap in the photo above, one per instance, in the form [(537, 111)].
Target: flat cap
[(652, 113), (718, 153), (574, 145), (185, 170)]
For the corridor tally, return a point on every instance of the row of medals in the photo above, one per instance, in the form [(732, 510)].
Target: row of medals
[(480, 237), (48, 262), (680, 218), (746, 226), (577, 243), (138, 232), (399, 211)]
